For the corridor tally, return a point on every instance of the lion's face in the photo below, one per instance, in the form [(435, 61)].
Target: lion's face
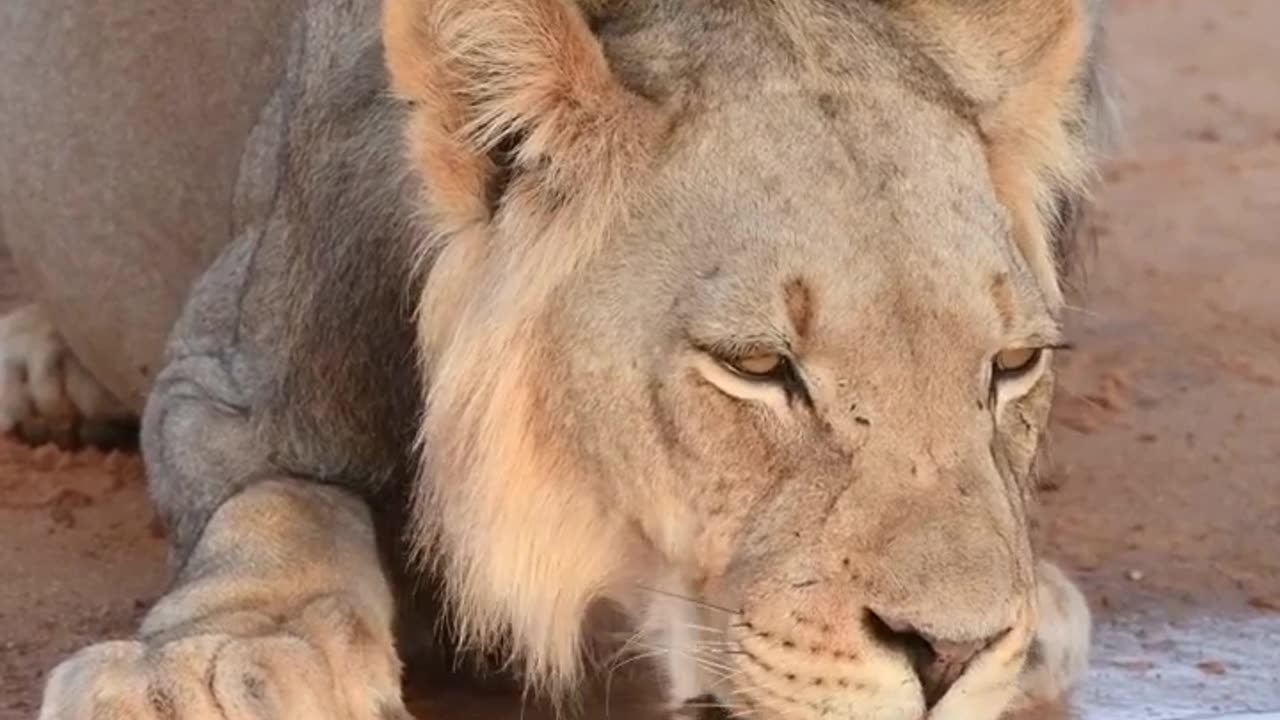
[(812, 369), (744, 321)]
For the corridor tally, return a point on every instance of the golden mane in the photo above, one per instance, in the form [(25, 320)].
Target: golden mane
[(498, 495)]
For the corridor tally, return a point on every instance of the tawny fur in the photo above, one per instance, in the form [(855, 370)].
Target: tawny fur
[(481, 73), (877, 190)]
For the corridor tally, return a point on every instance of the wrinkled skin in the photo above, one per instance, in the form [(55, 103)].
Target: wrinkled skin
[(783, 410)]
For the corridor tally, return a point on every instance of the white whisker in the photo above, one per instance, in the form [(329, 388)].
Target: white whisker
[(691, 601), (608, 680)]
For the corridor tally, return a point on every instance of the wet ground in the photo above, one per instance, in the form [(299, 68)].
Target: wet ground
[(1164, 500)]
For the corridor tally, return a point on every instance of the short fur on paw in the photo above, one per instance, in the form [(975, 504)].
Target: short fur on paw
[(46, 395), (324, 664), (1059, 656)]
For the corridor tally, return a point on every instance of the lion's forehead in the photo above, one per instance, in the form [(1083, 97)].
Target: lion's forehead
[(764, 191), (847, 167), (840, 165), (811, 141)]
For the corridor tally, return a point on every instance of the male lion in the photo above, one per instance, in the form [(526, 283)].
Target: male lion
[(736, 315)]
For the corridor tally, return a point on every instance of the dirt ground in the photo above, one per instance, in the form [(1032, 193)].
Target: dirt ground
[(1164, 498)]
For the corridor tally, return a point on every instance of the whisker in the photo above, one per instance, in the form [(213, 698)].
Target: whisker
[(718, 643), (623, 662), (691, 601), (701, 659), (720, 669), (608, 679)]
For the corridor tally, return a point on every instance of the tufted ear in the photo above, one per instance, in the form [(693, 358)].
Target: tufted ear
[(510, 98), (1030, 67)]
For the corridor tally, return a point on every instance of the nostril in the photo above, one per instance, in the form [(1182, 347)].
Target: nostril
[(938, 662)]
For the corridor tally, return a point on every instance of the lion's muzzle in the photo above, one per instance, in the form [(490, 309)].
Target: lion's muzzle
[(807, 668), (903, 604)]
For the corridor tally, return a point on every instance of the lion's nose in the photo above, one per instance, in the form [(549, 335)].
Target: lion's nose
[(938, 662)]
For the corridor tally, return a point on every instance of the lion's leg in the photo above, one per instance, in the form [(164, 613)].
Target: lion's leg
[(124, 130), (1059, 656), (46, 394), (281, 607), (282, 611)]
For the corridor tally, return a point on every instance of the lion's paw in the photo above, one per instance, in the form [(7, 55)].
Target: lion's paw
[(46, 395), (326, 668), (1059, 657)]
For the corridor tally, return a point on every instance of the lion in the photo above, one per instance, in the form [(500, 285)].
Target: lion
[(478, 316)]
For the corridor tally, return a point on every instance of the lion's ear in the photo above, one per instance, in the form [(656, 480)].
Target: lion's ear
[(509, 96), (1029, 67)]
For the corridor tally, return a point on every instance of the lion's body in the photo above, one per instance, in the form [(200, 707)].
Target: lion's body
[(121, 142), (339, 315), (265, 259)]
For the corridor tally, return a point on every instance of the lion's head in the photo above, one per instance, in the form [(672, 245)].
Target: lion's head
[(741, 314)]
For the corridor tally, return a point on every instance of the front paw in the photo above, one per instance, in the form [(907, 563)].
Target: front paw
[(46, 395), (1059, 656), (325, 664)]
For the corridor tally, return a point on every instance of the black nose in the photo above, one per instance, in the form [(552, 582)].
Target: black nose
[(938, 662)]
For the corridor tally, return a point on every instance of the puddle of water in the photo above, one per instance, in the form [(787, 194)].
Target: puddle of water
[(1249, 716), (1202, 669)]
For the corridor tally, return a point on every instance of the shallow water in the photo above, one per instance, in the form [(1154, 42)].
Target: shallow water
[(1209, 668)]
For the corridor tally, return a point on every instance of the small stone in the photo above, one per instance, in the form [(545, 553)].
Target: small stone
[(1134, 575), (1212, 667), (63, 506), (1209, 135)]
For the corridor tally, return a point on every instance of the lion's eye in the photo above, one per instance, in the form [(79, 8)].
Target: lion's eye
[(761, 365), (761, 375), (1016, 362)]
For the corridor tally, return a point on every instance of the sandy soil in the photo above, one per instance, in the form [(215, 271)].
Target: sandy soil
[(1165, 495)]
